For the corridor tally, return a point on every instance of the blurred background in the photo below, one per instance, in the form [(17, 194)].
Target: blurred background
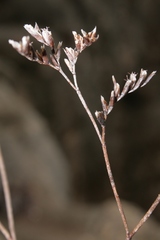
[(52, 154)]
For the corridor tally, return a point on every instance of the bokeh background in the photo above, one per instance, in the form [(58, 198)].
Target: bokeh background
[(46, 136)]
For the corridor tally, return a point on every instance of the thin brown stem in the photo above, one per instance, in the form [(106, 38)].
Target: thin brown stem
[(85, 105), (7, 198), (113, 185), (146, 216), (67, 79), (5, 232)]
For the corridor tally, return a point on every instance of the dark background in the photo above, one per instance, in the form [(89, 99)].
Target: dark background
[(129, 40)]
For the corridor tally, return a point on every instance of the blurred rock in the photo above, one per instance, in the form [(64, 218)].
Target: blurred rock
[(90, 223), (36, 166)]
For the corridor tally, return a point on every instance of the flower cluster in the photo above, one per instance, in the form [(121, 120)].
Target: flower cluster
[(81, 42), (132, 84), (25, 47)]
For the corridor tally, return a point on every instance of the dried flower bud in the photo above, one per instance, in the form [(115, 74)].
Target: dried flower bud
[(78, 39), (100, 117), (116, 87), (44, 36), (81, 42), (47, 36), (148, 78), (104, 106), (35, 32), (90, 37), (24, 47), (71, 54), (143, 73), (69, 65), (58, 51), (126, 89), (111, 102)]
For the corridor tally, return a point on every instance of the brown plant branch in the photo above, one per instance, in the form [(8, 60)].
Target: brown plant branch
[(146, 216), (113, 185), (7, 197), (85, 105), (5, 232)]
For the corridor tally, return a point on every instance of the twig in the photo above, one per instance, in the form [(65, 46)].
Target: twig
[(5, 232), (7, 199), (146, 216), (85, 105), (67, 79), (113, 185)]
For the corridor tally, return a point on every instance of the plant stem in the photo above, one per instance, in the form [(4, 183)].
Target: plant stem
[(146, 216), (76, 88), (85, 105), (67, 79), (5, 232), (113, 185), (7, 199)]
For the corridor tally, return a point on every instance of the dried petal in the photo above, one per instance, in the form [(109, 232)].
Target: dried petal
[(81, 42), (104, 106), (90, 37), (47, 36), (139, 81), (71, 54), (58, 51), (15, 45), (35, 32), (148, 78), (116, 87), (24, 47), (111, 102), (69, 65), (78, 39), (125, 89)]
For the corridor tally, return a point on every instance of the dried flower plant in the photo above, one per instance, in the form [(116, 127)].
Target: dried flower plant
[(44, 36)]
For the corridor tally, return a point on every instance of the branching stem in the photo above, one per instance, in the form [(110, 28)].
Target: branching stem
[(113, 185), (146, 216), (85, 105)]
